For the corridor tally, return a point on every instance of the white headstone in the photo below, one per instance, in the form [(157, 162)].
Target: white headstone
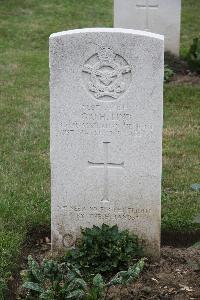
[(106, 132), (159, 16)]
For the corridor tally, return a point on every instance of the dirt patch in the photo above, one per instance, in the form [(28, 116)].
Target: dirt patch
[(175, 277), (180, 239), (189, 79), (177, 64), (183, 73)]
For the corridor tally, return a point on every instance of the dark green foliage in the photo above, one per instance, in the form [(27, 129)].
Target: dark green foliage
[(100, 250), (100, 288), (54, 280), (125, 277), (59, 281), (97, 289), (105, 249), (169, 73), (193, 56), (3, 289)]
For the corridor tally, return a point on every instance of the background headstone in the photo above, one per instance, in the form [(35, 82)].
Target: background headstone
[(106, 89), (159, 16)]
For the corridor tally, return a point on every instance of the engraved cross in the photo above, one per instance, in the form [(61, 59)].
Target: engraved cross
[(106, 165), (147, 6)]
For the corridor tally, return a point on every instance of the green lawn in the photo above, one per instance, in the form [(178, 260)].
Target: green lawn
[(24, 108)]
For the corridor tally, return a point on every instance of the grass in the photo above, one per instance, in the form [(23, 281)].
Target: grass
[(181, 144), (190, 23), (24, 108)]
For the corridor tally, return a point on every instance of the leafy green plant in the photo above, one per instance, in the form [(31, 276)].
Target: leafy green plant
[(193, 56), (105, 249), (168, 73), (100, 288), (97, 289), (125, 277), (100, 250), (54, 280)]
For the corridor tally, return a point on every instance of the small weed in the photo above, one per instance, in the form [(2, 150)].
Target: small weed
[(53, 280), (193, 56), (169, 73), (132, 274)]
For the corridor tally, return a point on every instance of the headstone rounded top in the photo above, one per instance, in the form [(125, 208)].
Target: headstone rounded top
[(108, 30), (159, 16), (106, 88)]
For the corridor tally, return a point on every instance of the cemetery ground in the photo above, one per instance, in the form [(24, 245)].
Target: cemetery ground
[(25, 171)]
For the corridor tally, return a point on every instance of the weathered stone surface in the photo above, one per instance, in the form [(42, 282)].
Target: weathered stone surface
[(159, 16), (106, 88)]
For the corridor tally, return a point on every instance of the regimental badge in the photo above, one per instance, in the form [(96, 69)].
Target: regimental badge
[(107, 75)]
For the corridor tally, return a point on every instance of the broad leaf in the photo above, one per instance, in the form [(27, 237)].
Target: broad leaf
[(33, 286), (77, 294)]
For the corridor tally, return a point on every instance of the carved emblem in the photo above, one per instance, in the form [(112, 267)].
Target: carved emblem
[(107, 75), (68, 240)]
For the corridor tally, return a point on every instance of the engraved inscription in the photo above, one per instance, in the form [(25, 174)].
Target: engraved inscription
[(93, 119), (105, 165), (148, 4), (108, 213), (106, 74)]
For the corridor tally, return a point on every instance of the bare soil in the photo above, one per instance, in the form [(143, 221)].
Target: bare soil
[(183, 73), (189, 79), (177, 64), (175, 277)]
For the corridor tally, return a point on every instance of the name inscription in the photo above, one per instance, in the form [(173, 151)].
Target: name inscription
[(96, 120)]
